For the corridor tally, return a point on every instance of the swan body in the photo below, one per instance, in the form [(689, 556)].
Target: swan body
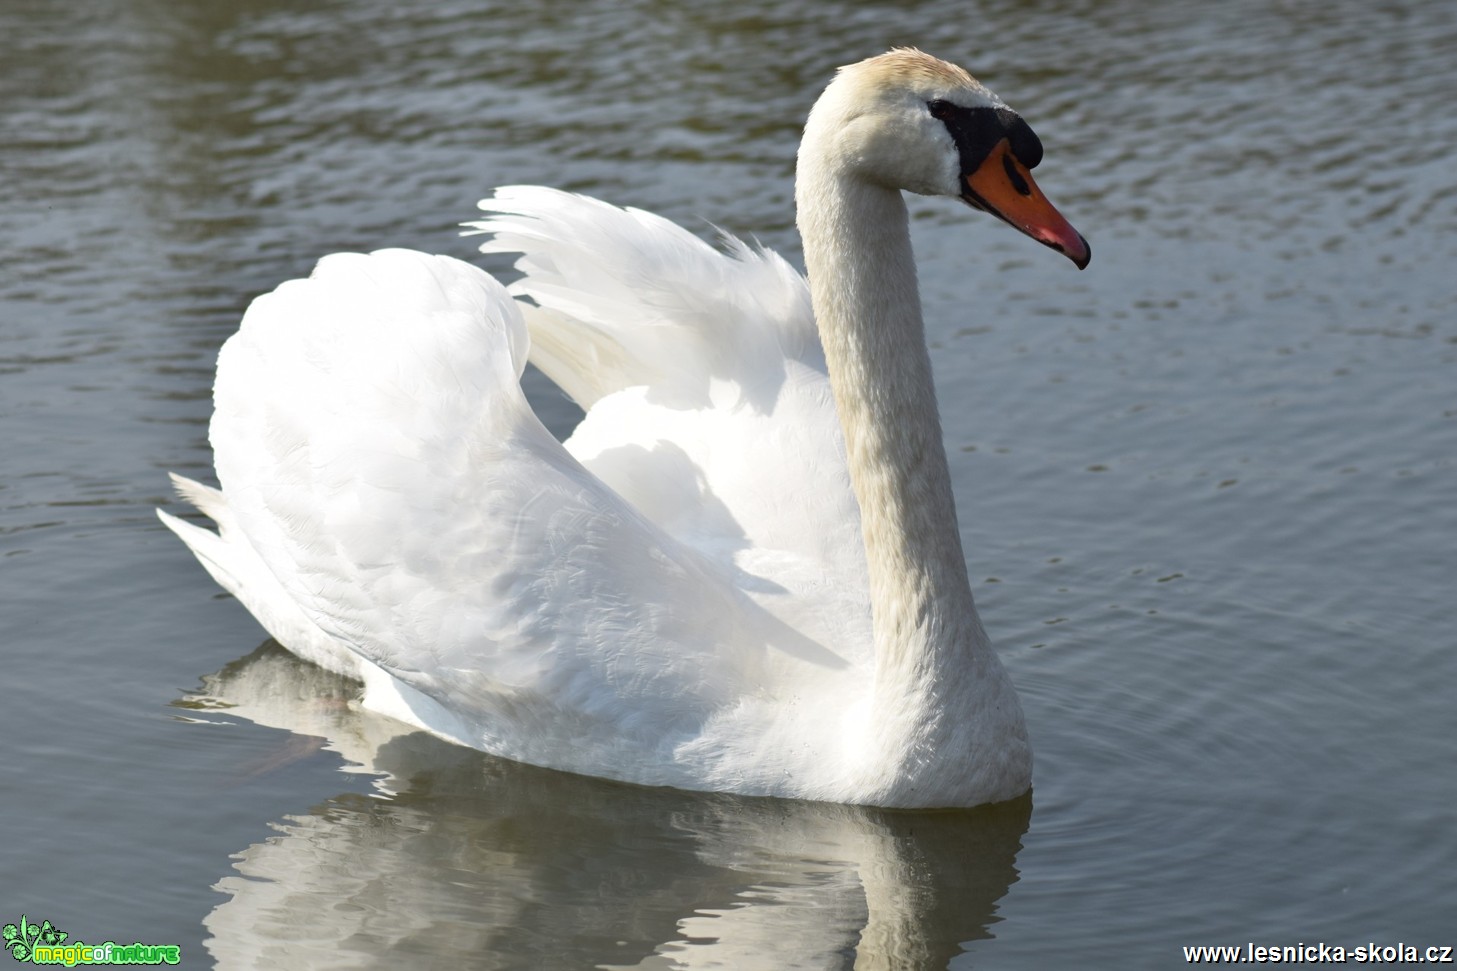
[(742, 572)]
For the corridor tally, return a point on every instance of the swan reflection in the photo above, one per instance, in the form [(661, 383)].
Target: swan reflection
[(470, 859)]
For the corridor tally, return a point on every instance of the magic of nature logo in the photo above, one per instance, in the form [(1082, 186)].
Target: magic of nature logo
[(44, 943)]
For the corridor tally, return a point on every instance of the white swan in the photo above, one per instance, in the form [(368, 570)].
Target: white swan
[(741, 573)]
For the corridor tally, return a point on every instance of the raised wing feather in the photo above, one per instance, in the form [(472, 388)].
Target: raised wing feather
[(392, 478), (631, 299), (708, 406)]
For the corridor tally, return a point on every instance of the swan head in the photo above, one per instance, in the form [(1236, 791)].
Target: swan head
[(907, 120)]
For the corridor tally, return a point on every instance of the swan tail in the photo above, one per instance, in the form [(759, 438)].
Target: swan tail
[(205, 499), (235, 566), (209, 548), (629, 299), (225, 554)]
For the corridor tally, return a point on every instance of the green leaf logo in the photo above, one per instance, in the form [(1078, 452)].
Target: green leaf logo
[(21, 939)]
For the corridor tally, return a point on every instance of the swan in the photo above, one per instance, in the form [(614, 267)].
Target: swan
[(742, 572)]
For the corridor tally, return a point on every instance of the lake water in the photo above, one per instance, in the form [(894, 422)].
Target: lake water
[(1208, 488)]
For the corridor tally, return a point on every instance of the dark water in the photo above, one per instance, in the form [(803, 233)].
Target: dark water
[(1206, 488)]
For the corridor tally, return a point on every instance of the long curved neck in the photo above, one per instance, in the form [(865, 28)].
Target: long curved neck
[(863, 285)]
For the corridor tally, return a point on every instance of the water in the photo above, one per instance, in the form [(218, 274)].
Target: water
[(1206, 487)]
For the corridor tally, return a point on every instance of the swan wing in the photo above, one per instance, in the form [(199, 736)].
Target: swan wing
[(708, 405), (378, 457), (634, 300)]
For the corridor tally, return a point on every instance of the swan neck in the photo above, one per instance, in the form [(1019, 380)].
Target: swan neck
[(863, 285)]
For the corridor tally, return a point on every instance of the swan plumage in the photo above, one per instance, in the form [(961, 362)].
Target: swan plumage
[(709, 585)]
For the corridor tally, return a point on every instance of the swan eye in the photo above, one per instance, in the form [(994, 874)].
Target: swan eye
[(940, 109)]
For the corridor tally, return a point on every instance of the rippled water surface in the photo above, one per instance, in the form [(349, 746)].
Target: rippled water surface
[(1208, 488)]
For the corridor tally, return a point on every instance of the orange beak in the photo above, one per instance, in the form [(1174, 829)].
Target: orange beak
[(1003, 186)]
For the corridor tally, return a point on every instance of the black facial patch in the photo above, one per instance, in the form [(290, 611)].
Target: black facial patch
[(1015, 177), (976, 132)]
